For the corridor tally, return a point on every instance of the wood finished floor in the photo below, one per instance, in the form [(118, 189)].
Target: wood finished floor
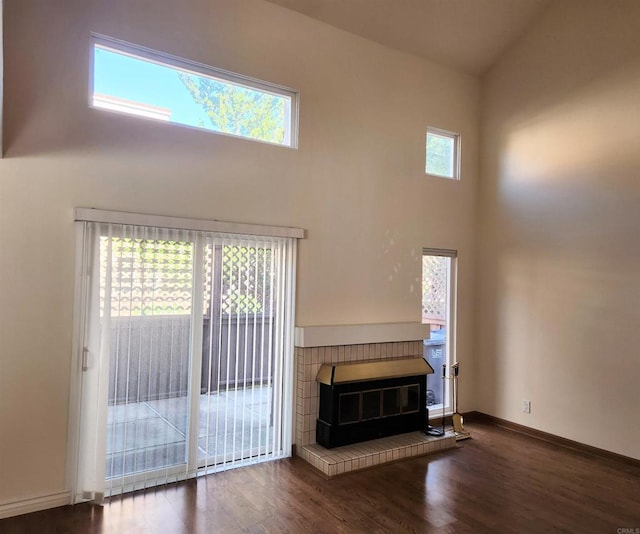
[(499, 481)]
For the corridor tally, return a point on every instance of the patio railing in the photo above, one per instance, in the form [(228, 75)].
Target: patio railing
[(156, 353)]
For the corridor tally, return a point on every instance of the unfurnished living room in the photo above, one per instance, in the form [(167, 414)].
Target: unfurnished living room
[(319, 266)]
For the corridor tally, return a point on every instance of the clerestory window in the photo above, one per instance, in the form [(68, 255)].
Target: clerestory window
[(443, 153), (138, 81)]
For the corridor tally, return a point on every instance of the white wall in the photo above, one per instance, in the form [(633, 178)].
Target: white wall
[(356, 184), (559, 302)]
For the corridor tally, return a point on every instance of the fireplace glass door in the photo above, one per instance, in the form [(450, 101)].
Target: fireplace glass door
[(378, 403)]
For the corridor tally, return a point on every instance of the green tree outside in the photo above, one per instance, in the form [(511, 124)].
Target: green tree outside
[(239, 110), (439, 155)]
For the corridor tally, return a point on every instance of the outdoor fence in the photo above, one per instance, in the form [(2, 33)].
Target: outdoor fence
[(149, 356)]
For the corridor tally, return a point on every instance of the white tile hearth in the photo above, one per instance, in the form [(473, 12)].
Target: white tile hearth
[(341, 460)]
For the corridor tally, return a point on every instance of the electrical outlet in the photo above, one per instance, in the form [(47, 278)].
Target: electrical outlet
[(526, 406)]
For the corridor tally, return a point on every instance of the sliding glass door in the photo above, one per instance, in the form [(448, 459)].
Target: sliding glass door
[(241, 403), (147, 290), (186, 354)]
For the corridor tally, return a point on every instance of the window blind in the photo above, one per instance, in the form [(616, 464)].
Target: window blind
[(184, 352)]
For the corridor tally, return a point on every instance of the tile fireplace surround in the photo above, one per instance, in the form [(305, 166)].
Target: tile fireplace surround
[(349, 344)]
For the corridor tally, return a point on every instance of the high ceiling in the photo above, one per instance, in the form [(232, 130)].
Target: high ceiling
[(466, 35)]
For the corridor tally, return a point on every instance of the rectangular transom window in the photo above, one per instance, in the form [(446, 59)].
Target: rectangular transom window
[(443, 153), (138, 81)]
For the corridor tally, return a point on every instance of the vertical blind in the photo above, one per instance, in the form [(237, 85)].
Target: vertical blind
[(186, 354)]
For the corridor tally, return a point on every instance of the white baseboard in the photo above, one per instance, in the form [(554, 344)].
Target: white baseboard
[(35, 504)]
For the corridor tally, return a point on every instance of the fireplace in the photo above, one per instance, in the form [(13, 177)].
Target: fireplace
[(369, 400)]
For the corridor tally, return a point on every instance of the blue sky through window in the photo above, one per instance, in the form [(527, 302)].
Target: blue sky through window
[(127, 83), (146, 82)]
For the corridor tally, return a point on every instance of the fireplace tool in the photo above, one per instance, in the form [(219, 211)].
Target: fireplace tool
[(432, 430), (458, 426)]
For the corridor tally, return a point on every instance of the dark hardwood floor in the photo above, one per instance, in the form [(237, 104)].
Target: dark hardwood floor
[(499, 481)]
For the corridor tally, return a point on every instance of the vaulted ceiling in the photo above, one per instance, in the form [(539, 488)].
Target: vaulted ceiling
[(466, 35)]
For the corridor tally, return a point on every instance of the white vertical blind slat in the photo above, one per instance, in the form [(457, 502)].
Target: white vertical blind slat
[(138, 350), (288, 350), (263, 324), (269, 351), (236, 353), (196, 360), (102, 392), (252, 349), (277, 426), (219, 356), (246, 390), (213, 327)]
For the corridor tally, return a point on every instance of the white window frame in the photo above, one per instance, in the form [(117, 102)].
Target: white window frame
[(451, 317), (456, 137), (199, 69)]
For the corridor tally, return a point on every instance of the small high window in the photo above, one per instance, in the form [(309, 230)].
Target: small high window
[(138, 81), (443, 153)]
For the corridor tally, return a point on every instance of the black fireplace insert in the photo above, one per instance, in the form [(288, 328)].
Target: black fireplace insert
[(369, 400)]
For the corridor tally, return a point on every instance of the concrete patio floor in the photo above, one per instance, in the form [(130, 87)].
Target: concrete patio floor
[(148, 435)]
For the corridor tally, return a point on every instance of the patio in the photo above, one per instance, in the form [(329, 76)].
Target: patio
[(152, 434)]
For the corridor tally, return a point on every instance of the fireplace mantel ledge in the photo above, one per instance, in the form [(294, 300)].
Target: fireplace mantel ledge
[(356, 334)]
